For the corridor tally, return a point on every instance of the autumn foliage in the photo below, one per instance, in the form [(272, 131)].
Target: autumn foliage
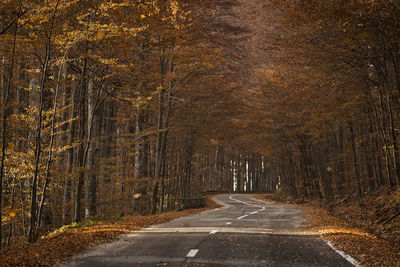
[(123, 107)]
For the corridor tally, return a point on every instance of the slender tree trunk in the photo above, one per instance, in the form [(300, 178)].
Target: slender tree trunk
[(91, 178), (140, 170), (239, 174), (382, 128), (67, 205), (355, 162), (81, 149), (158, 151), (38, 149), (164, 144), (396, 154), (50, 155), (158, 165), (122, 189), (22, 206), (5, 98), (11, 230)]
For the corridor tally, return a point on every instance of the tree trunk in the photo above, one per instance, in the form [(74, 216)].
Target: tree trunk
[(91, 177), (382, 128), (164, 144), (50, 155), (67, 205), (81, 149), (5, 98), (158, 151), (355, 162), (140, 152), (396, 153), (38, 148)]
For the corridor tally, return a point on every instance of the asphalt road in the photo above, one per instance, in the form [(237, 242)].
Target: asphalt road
[(245, 232)]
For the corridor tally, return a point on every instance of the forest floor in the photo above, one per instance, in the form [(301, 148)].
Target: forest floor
[(366, 228), (74, 239)]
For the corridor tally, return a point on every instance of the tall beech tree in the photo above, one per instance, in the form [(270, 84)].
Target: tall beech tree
[(85, 85)]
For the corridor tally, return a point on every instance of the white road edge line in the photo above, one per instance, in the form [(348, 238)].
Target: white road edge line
[(341, 253), (213, 232), (192, 253)]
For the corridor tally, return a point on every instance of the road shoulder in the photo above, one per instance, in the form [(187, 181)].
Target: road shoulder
[(67, 242), (365, 247)]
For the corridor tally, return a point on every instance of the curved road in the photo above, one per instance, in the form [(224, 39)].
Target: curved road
[(244, 232)]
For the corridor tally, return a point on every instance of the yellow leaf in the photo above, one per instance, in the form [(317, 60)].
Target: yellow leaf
[(100, 35), (11, 212), (137, 196)]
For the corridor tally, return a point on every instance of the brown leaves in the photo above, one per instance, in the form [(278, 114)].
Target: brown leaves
[(11, 212), (346, 228), (68, 241)]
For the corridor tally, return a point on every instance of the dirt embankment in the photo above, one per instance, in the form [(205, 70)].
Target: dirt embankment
[(366, 228)]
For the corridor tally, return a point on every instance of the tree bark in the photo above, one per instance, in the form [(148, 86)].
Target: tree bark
[(91, 177), (5, 98), (355, 161), (50, 155), (33, 209), (81, 149), (396, 153), (158, 151)]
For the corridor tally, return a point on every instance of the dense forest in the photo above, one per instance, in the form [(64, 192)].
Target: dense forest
[(118, 107)]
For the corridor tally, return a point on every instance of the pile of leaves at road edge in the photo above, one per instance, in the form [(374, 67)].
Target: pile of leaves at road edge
[(367, 228), (71, 240)]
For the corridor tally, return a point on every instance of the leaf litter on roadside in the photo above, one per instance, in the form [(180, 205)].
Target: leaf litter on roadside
[(66, 242), (355, 228)]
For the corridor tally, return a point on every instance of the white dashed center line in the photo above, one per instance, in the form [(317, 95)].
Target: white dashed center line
[(245, 203), (192, 253), (228, 223)]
